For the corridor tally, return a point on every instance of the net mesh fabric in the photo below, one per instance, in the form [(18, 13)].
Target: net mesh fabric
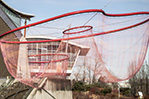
[(114, 47), (30, 64)]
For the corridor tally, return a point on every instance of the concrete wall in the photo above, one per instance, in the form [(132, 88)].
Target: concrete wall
[(53, 89)]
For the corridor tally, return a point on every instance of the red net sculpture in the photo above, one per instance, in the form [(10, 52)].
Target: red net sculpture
[(114, 46)]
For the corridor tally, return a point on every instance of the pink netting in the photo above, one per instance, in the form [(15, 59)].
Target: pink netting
[(29, 63), (114, 45)]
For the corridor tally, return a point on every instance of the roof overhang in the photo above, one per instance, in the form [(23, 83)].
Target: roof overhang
[(23, 15)]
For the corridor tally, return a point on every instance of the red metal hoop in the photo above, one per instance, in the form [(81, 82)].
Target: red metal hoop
[(66, 57), (67, 30)]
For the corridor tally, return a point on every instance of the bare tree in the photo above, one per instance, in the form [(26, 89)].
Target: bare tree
[(95, 69), (89, 73), (134, 80), (77, 73), (84, 69), (89, 70), (92, 69), (147, 77), (140, 80)]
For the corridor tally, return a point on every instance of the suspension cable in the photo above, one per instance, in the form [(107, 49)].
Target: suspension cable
[(96, 13), (106, 4)]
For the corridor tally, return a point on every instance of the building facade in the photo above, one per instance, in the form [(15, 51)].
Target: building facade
[(9, 19)]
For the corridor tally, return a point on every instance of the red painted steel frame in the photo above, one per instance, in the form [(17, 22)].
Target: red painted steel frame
[(67, 30), (74, 13)]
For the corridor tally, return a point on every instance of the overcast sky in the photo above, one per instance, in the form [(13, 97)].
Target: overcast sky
[(44, 9)]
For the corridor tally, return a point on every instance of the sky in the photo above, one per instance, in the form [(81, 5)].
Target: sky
[(43, 9)]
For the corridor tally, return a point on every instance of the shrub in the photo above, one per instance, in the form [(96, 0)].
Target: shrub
[(105, 91), (125, 91), (78, 86), (96, 84), (87, 87), (95, 90)]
